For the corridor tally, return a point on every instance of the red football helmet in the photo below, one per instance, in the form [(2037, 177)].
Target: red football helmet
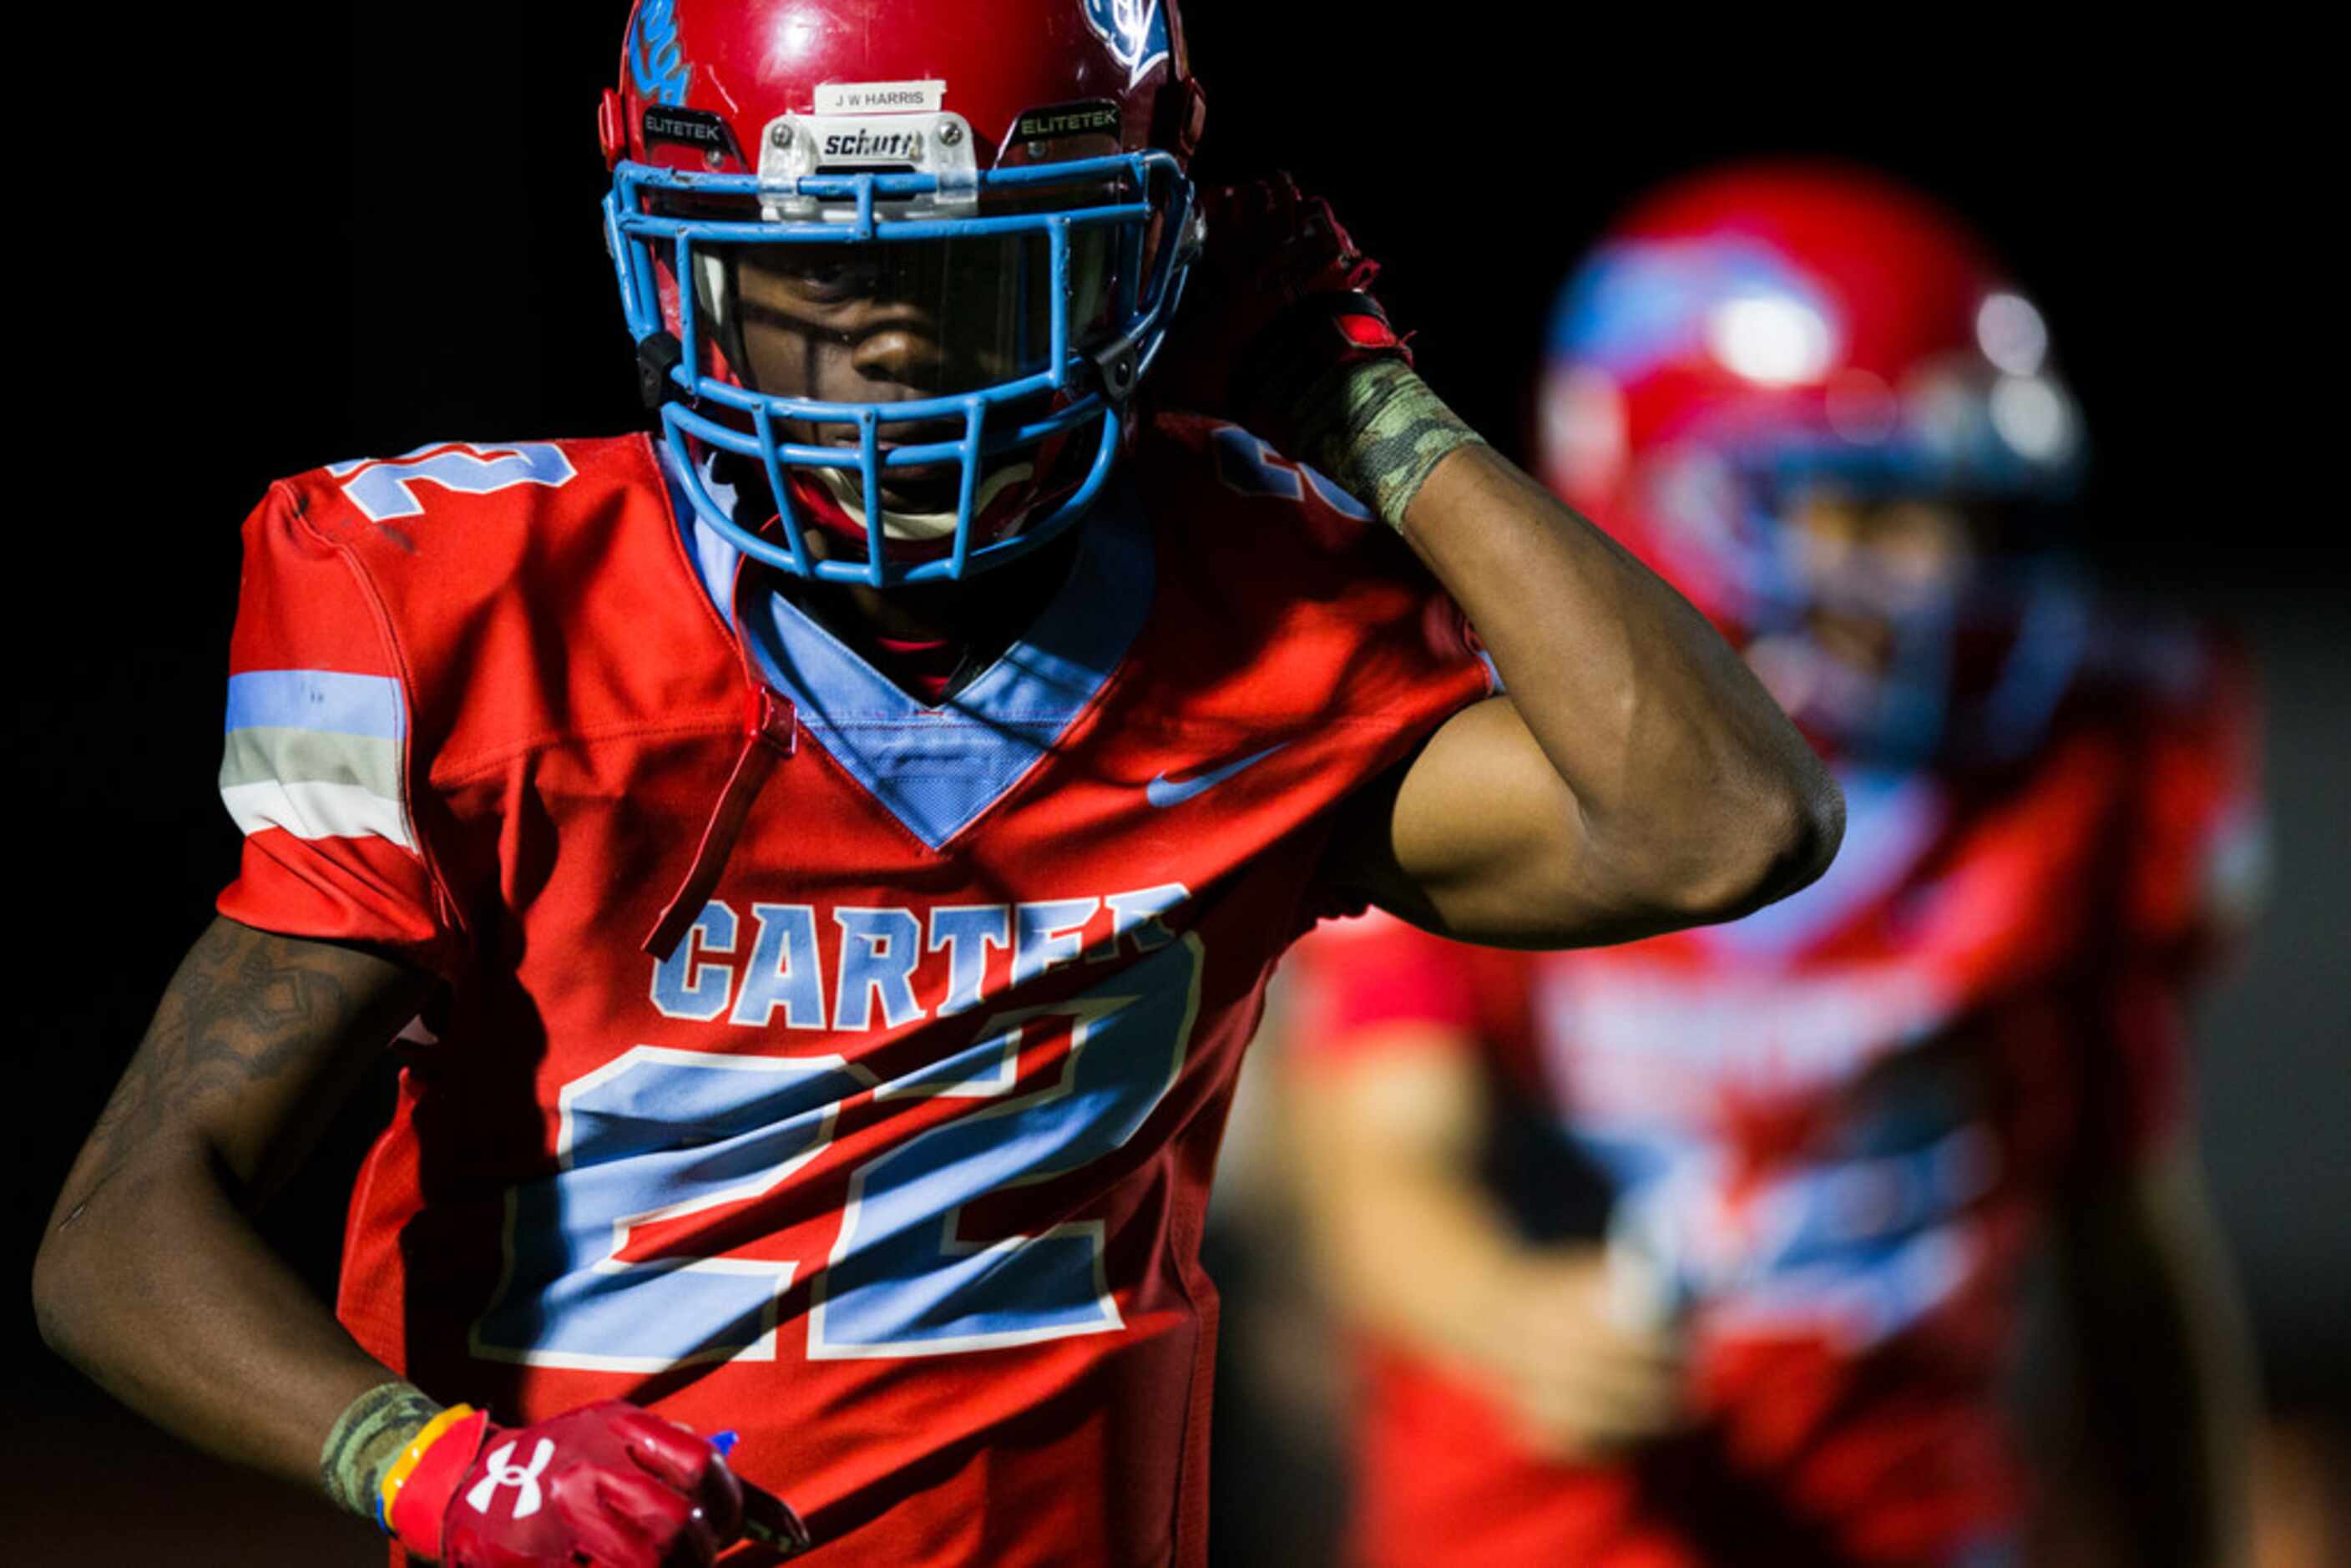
[(1752, 341), (897, 266)]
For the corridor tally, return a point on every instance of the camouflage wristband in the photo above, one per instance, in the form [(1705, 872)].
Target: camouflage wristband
[(365, 1441), (1377, 429)]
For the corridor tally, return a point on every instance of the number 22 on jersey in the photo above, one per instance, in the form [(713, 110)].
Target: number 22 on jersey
[(659, 1134)]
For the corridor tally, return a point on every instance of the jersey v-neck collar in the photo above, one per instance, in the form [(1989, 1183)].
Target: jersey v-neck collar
[(937, 769)]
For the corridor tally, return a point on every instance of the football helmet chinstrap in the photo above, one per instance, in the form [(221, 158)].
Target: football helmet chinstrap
[(902, 271)]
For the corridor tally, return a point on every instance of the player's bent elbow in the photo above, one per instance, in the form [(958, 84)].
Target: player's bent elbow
[(88, 1267), (1645, 876), (1786, 842), (57, 1300), (1768, 846)]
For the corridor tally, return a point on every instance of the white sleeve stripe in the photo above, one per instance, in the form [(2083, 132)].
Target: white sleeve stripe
[(315, 810), (311, 756)]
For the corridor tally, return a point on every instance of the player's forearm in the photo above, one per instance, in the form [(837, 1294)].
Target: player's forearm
[(2166, 1370), (163, 1293), (1411, 1251), (1692, 785), (1697, 797), (151, 1277), (1387, 1136), (2154, 1418), (1413, 1246)]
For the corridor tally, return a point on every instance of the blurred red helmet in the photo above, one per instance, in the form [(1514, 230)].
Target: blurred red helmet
[(1752, 335), (1016, 170)]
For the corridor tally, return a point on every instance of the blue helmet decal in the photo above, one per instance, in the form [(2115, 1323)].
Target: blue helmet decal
[(1135, 30), (655, 59)]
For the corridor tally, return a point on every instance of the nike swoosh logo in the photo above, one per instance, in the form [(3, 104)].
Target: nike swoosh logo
[(1164, 792)]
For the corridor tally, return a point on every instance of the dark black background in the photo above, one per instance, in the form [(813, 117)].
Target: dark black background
[(267, 237)]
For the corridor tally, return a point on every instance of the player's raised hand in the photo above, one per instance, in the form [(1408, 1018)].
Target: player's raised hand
[(606, 1485), (1279, 295)]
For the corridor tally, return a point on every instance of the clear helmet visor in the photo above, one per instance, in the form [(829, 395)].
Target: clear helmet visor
[(898, 320)]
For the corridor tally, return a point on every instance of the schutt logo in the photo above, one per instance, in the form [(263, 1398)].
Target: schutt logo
[(867, 146)]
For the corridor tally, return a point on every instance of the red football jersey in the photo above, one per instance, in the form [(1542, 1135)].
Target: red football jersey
[(1830, 1131), (895, 1162)]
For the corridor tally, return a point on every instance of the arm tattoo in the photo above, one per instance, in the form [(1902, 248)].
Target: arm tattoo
[(244, 1007), (367, 1438), (1379, 431)]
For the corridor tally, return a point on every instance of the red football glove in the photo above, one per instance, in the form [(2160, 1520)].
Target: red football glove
[(605, 1486), (1278, 297)]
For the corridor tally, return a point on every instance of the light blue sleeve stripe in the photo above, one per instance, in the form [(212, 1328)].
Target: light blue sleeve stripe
[(324, 700)]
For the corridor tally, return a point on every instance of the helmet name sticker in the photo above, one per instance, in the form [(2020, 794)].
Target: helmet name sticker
[(1061, 121), (881, 98), (1135, 30)]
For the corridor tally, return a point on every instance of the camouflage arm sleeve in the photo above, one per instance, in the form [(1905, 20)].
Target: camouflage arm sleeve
[(365, 1441), (1377, 429)]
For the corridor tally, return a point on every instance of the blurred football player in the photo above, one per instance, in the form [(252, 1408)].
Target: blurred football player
[(1763, 1310), (831, 852)]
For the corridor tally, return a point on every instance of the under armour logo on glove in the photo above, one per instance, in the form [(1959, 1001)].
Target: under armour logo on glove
[(607, 1483), (503, 1472)]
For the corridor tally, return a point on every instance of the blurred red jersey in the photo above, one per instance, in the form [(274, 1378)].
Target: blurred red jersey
[(1828, 1132), (891, 1150)]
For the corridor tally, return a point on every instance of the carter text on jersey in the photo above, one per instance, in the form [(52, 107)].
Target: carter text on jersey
[(865, 966)]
